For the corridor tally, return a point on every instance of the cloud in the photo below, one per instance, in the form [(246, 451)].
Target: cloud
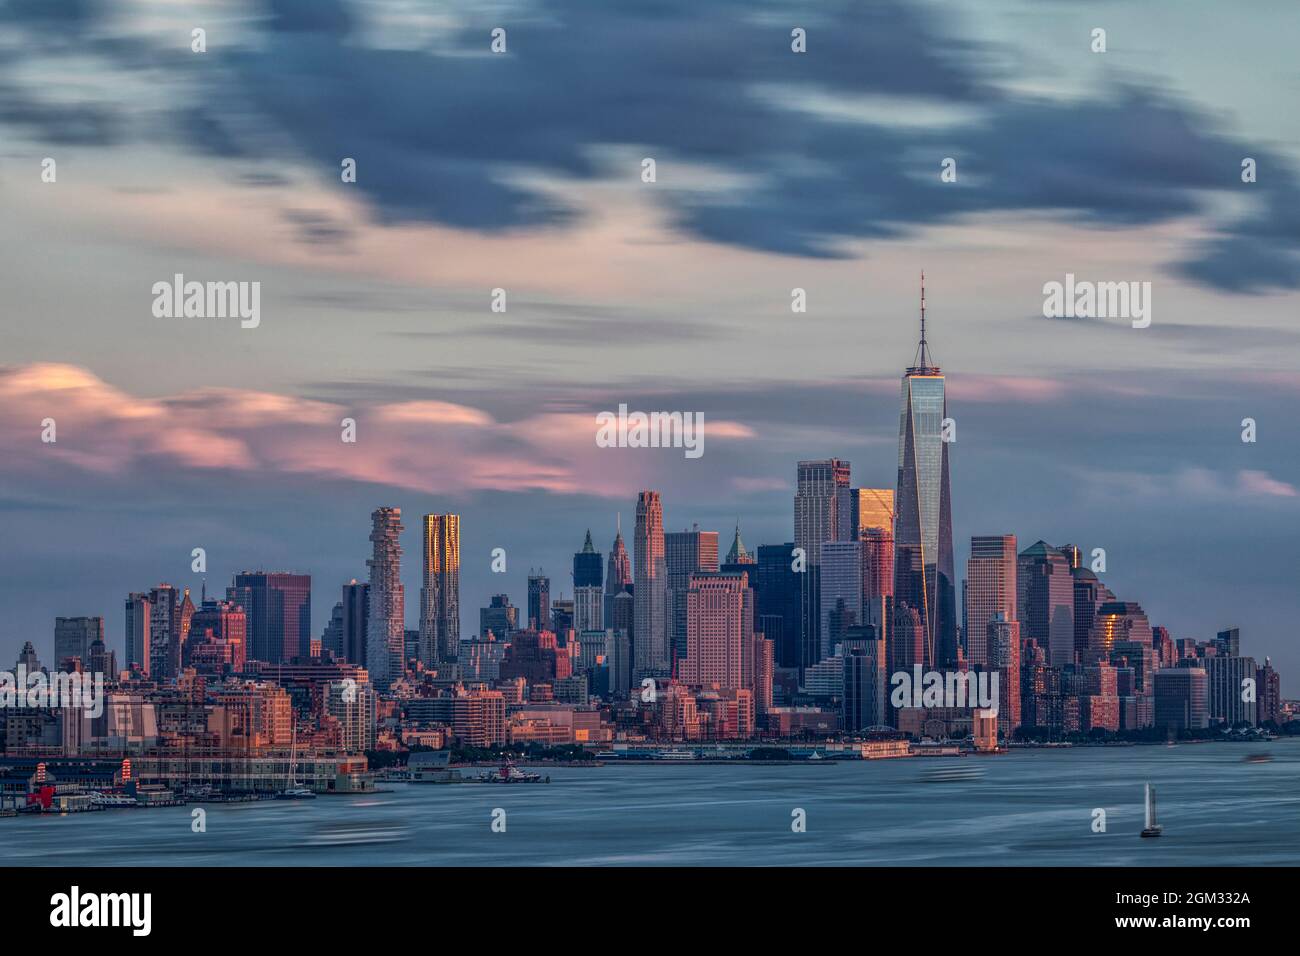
[(419, 445), (715, 88), (1260, 483)]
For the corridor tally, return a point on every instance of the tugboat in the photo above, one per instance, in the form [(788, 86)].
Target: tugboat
[(509, 773), (1152, 829)]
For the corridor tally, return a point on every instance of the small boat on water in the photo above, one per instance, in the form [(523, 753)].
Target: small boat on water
[(113, 800), (677, 755), (1258, 758), (1152, 829), (293, 789), (509, 773), (295, 793)]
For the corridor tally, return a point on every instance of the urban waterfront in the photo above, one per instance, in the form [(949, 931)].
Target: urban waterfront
[(1029, 808)]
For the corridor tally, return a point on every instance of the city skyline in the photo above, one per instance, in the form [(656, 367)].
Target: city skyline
[(827, 528), (775, 172)]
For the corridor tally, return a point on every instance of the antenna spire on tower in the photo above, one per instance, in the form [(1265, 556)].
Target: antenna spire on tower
[(923, 361)]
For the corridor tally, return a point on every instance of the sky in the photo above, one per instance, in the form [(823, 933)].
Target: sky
[(522, 171)]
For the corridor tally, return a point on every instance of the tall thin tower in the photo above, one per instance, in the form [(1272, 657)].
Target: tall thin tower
[(440, 591), (923, 556), (650, 590), (386, 627)]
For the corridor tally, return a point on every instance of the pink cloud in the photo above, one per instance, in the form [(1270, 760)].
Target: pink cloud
[(1260, 483), (996, 388), (429, 446)]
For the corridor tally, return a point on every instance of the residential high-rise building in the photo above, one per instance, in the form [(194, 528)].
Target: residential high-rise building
[(539, 601), (73, 637), (719, 632), (990, 591), (650, 642), (139, 615), (1045, 601), (685, 553), (821, 497), (1269, 687), (763, 673), (1002, 653), (386, 624), (1228, 703), (440, 591), (278, 605), (923, 557), (164, 632), (588, 588), (353, 704), (356, 618)]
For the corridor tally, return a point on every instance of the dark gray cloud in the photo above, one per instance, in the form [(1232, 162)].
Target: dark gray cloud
[(441, 134)]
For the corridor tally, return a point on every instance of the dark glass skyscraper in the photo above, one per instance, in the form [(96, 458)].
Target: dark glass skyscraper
[(539, 601), (923, 559), (779, 611), (278, 609), (587, 566)]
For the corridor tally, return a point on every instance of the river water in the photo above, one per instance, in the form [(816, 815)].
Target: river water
[(1027, 808)]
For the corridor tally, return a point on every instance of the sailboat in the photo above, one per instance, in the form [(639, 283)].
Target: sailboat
[(295, 790), (1152, 829)]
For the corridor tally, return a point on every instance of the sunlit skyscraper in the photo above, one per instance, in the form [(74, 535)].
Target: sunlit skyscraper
[(685, 553), (923, 557), (719, 631), (440, 591), (650, 650), (870, 508)]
